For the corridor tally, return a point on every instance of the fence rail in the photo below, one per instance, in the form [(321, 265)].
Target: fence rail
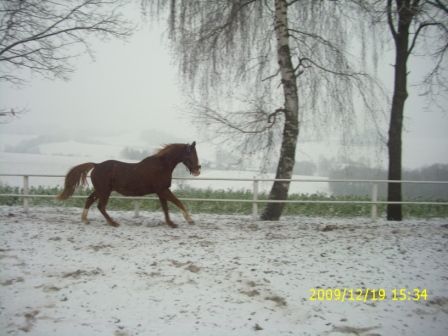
[(374, 202)]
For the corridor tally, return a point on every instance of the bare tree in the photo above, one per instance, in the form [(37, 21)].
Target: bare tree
[(407, 21), (417, 28), (44, 35), (267, 53)]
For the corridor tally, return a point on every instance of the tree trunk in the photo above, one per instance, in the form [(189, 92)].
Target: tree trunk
[(290, 134), (401, 38)]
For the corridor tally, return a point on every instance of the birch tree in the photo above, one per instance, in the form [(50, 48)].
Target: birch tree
[(286, 56)]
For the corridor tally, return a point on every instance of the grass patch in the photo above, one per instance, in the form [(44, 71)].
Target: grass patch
[(305, 209)]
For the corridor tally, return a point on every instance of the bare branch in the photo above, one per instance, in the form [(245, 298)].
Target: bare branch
[(272, 76), (260, 122), (227, 49), (7, 115), (390, 19), (419, 29), (440, 5), (41, 35), (302, 62)]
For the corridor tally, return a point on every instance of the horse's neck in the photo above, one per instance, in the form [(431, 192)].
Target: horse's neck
[(171, 159)]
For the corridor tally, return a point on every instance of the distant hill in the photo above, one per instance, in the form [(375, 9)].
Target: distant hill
[(101, 144)]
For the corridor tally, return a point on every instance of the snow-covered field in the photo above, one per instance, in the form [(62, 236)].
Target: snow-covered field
[(226, 275)]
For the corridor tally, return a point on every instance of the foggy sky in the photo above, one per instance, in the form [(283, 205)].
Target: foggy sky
[(135, 86)]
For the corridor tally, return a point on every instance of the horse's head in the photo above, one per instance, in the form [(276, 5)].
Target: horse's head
[(191, 160)]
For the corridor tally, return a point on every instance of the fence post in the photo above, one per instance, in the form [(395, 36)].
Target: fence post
[(374, 210), (26, 192), (136, 208), (254, 199)]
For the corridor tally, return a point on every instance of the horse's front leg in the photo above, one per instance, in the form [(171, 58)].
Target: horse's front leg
[(164, 204), (168, 195)]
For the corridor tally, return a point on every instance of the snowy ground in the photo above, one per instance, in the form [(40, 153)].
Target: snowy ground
[(226, 275)]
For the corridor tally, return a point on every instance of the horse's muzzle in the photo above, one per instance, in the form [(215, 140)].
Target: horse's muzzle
[(196, 171)]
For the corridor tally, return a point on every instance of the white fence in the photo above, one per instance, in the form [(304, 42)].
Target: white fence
[(374, 202)]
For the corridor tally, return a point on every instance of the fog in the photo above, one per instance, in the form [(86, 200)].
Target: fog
[(135, 87), (127, 86)]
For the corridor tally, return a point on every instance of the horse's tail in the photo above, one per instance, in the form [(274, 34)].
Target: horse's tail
[(77, 176)]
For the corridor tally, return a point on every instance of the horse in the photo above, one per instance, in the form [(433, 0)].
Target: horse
[(151, 175)]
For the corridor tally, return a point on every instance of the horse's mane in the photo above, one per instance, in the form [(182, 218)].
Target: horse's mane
[(167, 149)]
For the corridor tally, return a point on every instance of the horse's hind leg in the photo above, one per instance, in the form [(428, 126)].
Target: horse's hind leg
[(90, 200), (102, 203)]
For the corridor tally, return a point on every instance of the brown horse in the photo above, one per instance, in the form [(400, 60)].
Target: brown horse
[(151, 175)]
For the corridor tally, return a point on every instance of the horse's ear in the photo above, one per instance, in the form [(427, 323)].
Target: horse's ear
[(191, 147)]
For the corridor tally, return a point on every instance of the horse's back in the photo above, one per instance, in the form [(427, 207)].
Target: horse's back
[(107, 171), (131, 179), (112, 166)]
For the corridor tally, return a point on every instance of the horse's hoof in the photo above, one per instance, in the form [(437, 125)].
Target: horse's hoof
[(114, 224), (191, 222), (173, 225), (85, 221)]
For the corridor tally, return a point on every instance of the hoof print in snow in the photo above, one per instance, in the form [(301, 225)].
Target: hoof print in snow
[(121, 333), (257, 327), (279, 301), (79, 273), (11, 281), (189, 265), (253, 227), (439, 301), (329, 227), (250, 293), (98, 247), (50, 289), (56, 238), (193, 268), (354, 330), (30, 318)]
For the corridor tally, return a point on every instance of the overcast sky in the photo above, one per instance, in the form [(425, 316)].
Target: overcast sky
[(129, 85), (135, 86)]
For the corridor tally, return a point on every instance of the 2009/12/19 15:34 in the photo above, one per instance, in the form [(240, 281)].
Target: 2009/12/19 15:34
[(404, 294), (367, 294)]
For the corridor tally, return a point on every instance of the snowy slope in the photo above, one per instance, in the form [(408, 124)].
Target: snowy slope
[(226, 275)]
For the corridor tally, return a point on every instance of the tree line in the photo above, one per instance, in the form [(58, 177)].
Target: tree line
[(411, 191)]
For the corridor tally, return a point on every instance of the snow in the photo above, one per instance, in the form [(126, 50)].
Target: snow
[(264, 186), (225, 275), (80, 150), (19, 163)]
